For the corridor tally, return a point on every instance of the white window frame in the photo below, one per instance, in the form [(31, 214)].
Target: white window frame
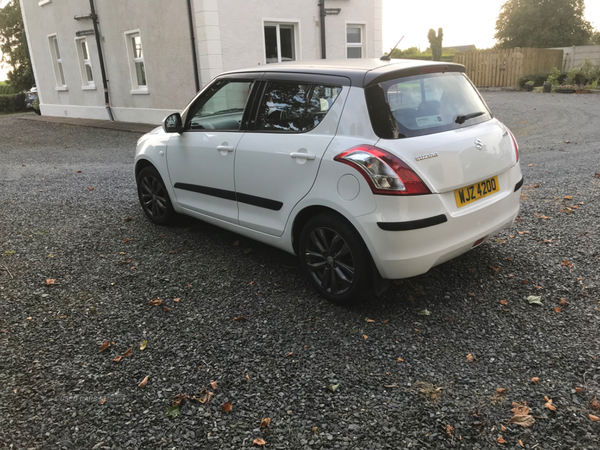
[(59, 69), (295, 24), (135, 87), (86, 84), (362, 45)]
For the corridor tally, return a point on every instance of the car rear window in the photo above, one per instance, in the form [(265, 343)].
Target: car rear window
[(424, 104)]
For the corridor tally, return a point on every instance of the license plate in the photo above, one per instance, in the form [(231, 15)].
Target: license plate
[(470, 194)]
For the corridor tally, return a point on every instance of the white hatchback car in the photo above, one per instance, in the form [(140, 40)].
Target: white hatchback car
[(368, 170)]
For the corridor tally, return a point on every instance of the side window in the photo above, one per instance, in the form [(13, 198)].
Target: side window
[(221, 107), (320, 102), (282, 107)]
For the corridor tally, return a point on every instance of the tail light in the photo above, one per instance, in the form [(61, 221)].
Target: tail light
[(385, 173), (515, 143)]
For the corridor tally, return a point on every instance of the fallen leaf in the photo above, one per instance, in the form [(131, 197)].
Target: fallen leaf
[(503, 302), (549, 404), (126, 240), (386, 320), (449, 430), (203, 396), (568, 197), (500, 440), (470, 358), (597, 174), (227, 407), (165, 309), (143, 344), (127, 219), (390, 386), (578, 389), (369, 320), (155, 301), (519, 409), (521, 443), (104, 346), (535, 380), (530, 165), (117, 358), (79, 171), (289, 354), (315, 430), (62, 317), (265, 422), (239, 319), (594, 418), (50, 281), (333, 387), (247, 377), (127, 353), (508, 258), (524, 421), (144, 382), (594, 404), (424, 312), (563, 302), (399, 359), (536, 185), (496, 268), (103, 401), (213, 385), (179, 398), (172, 412), (90, 188), (558, 309), (471, 294), (534, 300), (259, 441), (500, 391), (502, 427), (176, 300)]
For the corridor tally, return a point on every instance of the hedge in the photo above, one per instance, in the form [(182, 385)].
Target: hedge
[(12, 103), (428, 58)]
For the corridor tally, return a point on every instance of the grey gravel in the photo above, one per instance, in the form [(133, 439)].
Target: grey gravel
[(278, 362)]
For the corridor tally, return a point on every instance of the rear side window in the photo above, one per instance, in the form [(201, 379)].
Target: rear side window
[(424, 104), (294, 107)]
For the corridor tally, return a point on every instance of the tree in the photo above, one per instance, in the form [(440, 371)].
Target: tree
[(542, 24), (435, 42), (13, 45)]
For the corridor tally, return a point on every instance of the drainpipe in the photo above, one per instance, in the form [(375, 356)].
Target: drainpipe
[(322, 23), (193, 41), (94, 18)]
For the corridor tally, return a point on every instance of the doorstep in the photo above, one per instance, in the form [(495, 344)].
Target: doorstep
[(106, 124)]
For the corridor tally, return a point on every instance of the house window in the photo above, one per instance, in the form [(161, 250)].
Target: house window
[(280, 42), (136, 62), (59, 73), (85, 64), (354, 41)]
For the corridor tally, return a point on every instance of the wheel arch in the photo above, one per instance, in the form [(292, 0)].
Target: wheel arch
[(141, 164)]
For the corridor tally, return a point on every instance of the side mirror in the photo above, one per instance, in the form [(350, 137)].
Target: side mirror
[(172, 123)]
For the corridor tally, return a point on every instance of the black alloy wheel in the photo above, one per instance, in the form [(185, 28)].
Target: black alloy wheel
[(154, 197), (335, 258)]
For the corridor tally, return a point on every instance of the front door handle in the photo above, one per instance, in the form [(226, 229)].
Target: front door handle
[(225, 148), (308, 156)]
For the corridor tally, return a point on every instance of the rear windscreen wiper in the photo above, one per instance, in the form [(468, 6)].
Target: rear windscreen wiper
[(463, 118)]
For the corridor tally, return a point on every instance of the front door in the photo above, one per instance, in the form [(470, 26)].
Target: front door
[(277, 161), (201, 158)]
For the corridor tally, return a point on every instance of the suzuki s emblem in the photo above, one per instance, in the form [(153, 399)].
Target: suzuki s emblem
[(478, 144)]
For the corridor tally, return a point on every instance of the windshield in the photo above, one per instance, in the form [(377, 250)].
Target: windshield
[(424, 104)]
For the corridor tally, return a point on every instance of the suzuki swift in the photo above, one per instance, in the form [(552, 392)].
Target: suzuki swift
[(368, 170)]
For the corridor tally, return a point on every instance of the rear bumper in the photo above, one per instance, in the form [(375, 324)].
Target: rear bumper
[(404, 250)]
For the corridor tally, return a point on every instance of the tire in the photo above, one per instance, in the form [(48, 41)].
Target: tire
[(154, 197), (335, 258)]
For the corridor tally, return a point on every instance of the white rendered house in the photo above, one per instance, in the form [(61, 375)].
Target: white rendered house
[(154, 55)]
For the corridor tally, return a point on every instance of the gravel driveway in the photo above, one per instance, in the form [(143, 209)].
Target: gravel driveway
[(242, 314)]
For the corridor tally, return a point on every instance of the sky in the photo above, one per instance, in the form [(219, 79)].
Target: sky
[(464, 22)]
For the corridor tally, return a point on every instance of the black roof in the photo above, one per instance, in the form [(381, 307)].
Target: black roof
[(360, 72)]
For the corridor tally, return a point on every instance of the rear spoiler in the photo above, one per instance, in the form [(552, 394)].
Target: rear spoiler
[(392, 71)]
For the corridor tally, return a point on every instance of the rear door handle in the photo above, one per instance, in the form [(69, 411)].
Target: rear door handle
[(225, 148), (308, 156)]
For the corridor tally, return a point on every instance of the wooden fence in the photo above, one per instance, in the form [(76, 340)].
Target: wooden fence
[(503, 68)]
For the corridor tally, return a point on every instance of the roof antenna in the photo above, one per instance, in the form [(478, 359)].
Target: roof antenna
[(388, 56)]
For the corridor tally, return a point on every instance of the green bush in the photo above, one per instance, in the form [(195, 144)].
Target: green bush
[(12, 103), (537, 78), (7, 89)]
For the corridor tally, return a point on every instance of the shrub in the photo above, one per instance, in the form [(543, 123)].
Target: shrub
[(7, 89), (12, 103), (537, 78)]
